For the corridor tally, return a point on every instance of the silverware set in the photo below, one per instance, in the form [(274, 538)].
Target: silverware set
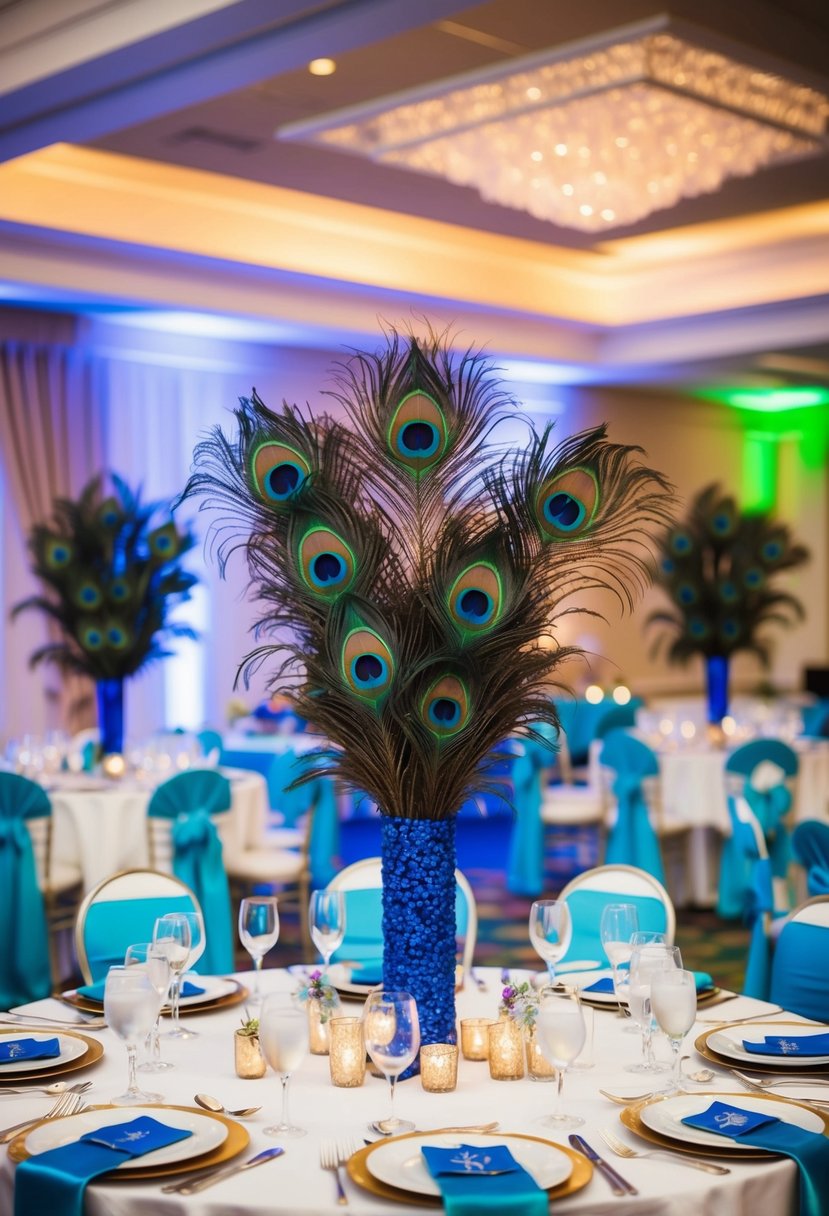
[(190, 1186), (70, 1103), (621, 1149), (333, 1154)]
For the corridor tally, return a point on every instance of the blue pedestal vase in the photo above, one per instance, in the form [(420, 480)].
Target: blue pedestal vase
[(419, 920), (716, 677), (110, 695)]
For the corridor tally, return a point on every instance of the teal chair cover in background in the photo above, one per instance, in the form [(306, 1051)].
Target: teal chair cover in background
[(799, 975), (24, 957), (582, 721), (113, 925), (816, 720), (810, 842), (586, 909), (363, 941), (632, 840), (525, 867), (209, 741), (188, 801)]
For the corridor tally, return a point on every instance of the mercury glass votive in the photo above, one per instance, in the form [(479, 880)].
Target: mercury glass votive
[(506, 1051), (439, 1067), (474, 1038), (346, 1052)]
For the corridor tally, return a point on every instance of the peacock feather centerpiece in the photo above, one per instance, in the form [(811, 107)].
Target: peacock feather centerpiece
[(111, 572), (409, 569)]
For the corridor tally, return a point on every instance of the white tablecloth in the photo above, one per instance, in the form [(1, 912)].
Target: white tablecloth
[(294, 1185)]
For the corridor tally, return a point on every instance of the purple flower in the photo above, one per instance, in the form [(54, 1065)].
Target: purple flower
[(315, 977)]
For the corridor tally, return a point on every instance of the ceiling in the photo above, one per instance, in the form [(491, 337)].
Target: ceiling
[(115, 121)]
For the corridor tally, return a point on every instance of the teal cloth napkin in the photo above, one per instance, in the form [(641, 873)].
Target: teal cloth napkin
[(702, 980), (55, 1181), (367, 973), (809, 1149), (468, 1190), (13, 1050), (95, 992), (791, 1045)]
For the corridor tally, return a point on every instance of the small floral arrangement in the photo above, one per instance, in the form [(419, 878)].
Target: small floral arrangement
[(250, 1028), (521, 1003), (317, 990), (236, 709)]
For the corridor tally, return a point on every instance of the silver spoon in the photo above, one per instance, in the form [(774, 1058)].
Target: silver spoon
[(59, 1087), (383, 1127), (206, 1102), (703, 1075)]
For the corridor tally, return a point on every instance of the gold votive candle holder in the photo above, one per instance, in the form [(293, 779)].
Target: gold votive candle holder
[(474, 1038), (248, 1058), (539, 1067), (439, 1067), (506, 1051), (346, 1052), (319, 1021)]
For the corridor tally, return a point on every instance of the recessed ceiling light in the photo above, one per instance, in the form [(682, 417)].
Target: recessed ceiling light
[(322, 67)]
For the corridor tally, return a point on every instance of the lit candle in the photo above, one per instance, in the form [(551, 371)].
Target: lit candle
[(439, 1067), (113, 766), (346, 1052), (506, 1051), (474, 1038)]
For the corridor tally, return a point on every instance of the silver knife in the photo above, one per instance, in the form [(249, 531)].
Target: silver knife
[(206, 1180), (618, 1184)]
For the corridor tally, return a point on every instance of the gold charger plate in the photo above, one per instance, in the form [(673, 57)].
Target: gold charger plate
[(94, 1051), (710, 996), (88, 1005), (236, 1142), (631, 1118), (358, 1171), (751, 1065)]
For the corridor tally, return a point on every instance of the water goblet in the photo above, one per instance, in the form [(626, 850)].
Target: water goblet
[(258, 933), (198, 944), (551, 928), (131, 1005), (391, 1029), (561, 1030), (618, 924), (155, 962), (171, 934), (674, 1004), (645, 962), (326, 916), (283, 1037)]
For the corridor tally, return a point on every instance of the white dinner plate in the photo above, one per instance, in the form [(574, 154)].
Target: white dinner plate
[(583, 967), (215, 986), (666, 1117), (207, 1135), (728, 1042), (400, 1163), (70, 1049), (339, 977)]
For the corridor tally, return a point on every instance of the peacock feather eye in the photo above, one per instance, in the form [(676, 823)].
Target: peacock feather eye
[(445, 708), (772, 551), (88, 594), (722, 522), (119, 591), (110, 513), (117, 637), (91, 637), (164, 542), (729, 629), (681, 544), (667, 565), (278, 471), (754, 578), (566, 504), (476, 598), (698, 628), (367, 664), (417, 435), (729, 593), (326, 562), (57, 553), (686, 594)]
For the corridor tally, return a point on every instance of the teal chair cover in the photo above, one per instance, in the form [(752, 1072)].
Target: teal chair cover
[(209, 741), (583, 721), (810, 842), (586, 907), (799, 983), (758, 900), (816, 720), (632, 840), (24, 958), (525, 867), (769, 806), (113, 924), (363, 941), (188, 801)]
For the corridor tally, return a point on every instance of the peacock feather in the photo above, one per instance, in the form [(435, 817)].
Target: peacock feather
[(413, 568), (717, 568), (111, 573)]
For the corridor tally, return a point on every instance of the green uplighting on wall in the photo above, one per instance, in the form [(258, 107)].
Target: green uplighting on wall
[(769, 400), (759, 473)]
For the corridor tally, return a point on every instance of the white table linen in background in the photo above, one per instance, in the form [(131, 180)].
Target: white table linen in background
[(294, 1185)]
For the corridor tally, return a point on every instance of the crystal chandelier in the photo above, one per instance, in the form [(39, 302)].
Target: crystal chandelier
[(595, 135)]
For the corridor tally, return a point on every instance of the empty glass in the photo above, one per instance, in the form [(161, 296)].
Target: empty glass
[(283, 1037), (326, 916), (131, 1005), (391, 1028), (155, 962), (561, 1030), (551, 928), (618, 924), (171, 935), (258, 933), (674, 1004)]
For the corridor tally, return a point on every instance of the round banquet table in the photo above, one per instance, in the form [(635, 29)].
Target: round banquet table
[(294, 1185)]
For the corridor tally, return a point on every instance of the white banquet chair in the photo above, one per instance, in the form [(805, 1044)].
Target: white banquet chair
[(589, 893)]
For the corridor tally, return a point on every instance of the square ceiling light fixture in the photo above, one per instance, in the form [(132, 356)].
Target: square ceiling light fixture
[(596, 134)]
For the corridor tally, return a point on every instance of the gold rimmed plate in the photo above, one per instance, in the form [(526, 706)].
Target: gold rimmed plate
[(779, 1065), (236, 996), (225, 1138), (658, 1120), (88, 1052), (359, 1168)]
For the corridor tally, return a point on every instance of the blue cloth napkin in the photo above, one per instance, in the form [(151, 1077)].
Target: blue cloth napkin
[(469, 1190), (13, 1050), (95, 992), (809, 1149), (605, 984), (55, 1181), (367, 973), (790, 1045)]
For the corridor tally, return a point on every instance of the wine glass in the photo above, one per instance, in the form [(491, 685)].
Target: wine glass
[(198, 944), (674, 1003), (155, 962), (171, 934), (645, 962), (391, 1028), (326, 916), (258, 933), (618, 924), (283, 1037), (131, 1005), (561, 1030), (551, 928)]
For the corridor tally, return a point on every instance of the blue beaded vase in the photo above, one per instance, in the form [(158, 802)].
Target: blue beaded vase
[(419, 920), (110, 695), (716, 677)]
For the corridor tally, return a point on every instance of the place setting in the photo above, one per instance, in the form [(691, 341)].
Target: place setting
[(778, 1047), (30, 1053)]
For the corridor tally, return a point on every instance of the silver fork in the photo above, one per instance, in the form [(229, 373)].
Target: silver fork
[(67, 1104), (623, 1150), (477, 981), (21, 1019), (330, 1160), (760, 1086)]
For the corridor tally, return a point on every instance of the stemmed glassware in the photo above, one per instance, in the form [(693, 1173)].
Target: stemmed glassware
[(131, 1005), (258, 933), (551, 928), (391, 1030), (283, 1037), (647, 961), (171, 935), (155, 962), (618, 924), (674, 1003), (561, 1030), (326, 916)]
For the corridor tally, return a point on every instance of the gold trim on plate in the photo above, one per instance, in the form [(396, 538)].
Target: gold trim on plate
[(88, 1005), (756, 1065), (93, 1053), (236, 1142), (358, 1171)]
